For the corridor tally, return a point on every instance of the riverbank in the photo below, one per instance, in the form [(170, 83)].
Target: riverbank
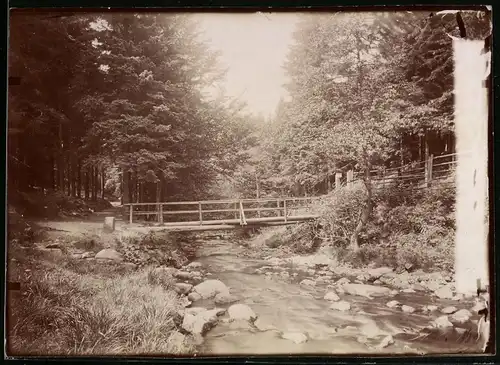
[(76, 290), (95, 293)]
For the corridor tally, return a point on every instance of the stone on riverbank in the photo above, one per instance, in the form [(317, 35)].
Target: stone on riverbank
[(200, 321), (183, 288), (194, 297), (108, 254)]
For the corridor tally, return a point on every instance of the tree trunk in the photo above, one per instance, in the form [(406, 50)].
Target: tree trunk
[(53, 177), (136, 186), (73, 177), (79, 180), (87, 184), (365, 212), (103, 175), (129, 187), (401, 151), (96, 183), (68, 176)]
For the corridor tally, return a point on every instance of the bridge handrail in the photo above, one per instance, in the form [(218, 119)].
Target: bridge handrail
[(234, 201), (283, 207)]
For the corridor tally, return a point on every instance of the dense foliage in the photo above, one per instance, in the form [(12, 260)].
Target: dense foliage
[(121, 96), (367, 91)]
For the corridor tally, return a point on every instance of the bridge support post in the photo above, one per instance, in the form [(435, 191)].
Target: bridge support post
[(200, 213), (285, 210)]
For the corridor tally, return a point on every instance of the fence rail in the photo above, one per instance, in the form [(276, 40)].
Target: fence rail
[(244, 211), (283, 210)]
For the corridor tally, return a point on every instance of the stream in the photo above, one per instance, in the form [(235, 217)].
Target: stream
[(283, 305)]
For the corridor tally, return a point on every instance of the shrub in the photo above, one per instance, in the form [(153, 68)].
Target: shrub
[(339, 215), (407, 228)]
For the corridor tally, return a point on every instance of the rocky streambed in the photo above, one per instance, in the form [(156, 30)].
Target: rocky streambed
[(247, 305)]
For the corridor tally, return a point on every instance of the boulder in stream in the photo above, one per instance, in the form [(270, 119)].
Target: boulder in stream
[(407, 309), (442, 322), (461, 316), (225, 298), (393, 304), (241, 311), (331, 296), (379, 272), (342, 281), (387, 341), (210, 288), (307, 282), (449, 310), (341, 306), (429, 308), (366, 290), (444, 293), (296, 337)]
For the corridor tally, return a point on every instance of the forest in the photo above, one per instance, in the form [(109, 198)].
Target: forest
[(133, 105)]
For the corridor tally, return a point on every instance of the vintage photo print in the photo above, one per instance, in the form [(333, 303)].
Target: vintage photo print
[(249, 183)]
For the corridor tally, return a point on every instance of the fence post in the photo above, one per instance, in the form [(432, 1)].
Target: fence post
[(131, 214), (160, 213), (284, 207), (350, 177), (428, 175), (338, 177), (200, 213)]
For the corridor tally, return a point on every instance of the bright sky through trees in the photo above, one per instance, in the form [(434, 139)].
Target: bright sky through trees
[(254, 47)]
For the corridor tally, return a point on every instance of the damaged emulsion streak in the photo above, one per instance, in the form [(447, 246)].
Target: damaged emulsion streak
[(461, 25)]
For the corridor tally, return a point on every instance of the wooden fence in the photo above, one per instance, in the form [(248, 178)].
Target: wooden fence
[(286, 209), (421, 173)]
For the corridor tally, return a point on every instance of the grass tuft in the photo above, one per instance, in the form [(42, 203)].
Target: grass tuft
[(93, 311)]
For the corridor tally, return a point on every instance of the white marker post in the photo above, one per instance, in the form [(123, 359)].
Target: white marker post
[(471, 123)]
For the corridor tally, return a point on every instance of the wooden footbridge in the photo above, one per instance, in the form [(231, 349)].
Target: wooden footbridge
[(229, 213)]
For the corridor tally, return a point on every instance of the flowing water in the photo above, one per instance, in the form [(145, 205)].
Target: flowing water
[(283, 305)]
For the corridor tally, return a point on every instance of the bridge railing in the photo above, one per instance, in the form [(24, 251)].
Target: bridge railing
[(231, 211)]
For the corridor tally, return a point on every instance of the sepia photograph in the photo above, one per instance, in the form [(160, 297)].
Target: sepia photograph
[(214, 183)]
